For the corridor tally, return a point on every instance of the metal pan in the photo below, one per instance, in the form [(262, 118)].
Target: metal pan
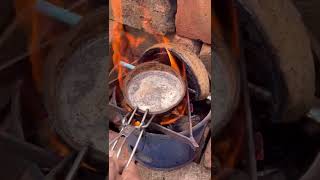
[(153, 86)]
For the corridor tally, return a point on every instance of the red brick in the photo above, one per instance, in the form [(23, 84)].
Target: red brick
[(193, 19)]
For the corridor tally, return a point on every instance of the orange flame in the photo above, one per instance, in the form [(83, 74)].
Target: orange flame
[(116, 44), (173, 62), (147, 27), (167, 121), (178, 112), (116, 41), (121, 40), (134, 42)]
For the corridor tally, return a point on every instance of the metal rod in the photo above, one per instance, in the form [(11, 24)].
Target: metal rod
[(192, 91), (191, 138), (144, 117), (132, 115), (139, 138), (51, 175), (124, 123), (121, 145), (189, 116), (114, 141), (77, 163), (125, 138), (134, 149), (123, 120), (127, 65), (193, 144), (119, 109), (149, 122), (25, 54), (57, 12)]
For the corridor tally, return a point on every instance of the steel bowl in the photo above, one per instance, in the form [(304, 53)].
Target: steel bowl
[(153, 86)]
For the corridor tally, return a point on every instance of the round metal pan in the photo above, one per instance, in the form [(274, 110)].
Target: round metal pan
[(153, 86), (197, 74)]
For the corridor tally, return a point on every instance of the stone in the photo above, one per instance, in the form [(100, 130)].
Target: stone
[(193, 19), (193, 45), (189, 172), (207, 156), (205, 56), (147, 41), (153, 16)]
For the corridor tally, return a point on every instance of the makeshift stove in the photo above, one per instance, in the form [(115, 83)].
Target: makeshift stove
[(162, 106)]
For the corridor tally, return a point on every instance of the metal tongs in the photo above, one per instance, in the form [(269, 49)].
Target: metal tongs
[(127, 129)]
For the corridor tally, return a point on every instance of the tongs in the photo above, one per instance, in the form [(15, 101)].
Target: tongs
[(127, 129)]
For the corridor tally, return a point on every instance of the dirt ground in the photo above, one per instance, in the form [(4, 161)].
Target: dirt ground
[(190, 172)]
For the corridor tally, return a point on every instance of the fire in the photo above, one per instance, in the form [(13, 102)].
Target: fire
[(167, 121), (160, 38), (134, 42), (181, 109), (116, 45), (173, 62), (116, 41), (119, 40), (177, 112)]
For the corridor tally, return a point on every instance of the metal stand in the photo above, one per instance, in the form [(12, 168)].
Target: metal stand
[(127, 129)]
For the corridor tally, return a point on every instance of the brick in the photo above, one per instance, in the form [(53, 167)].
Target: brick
[(193, 19), (153, 16), (205, 56), (193, 45)]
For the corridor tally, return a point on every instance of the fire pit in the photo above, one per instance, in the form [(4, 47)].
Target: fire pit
[(172, 139)]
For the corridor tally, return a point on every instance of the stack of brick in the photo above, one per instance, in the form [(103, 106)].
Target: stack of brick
[(185, 22)]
